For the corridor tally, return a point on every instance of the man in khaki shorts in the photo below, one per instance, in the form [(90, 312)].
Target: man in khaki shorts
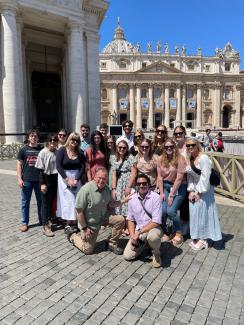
[(93, 205), (144, 222)]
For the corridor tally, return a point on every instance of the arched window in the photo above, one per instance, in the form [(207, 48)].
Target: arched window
[(172, 93), (104, 94), (157, 92), (122, 92), (144, 93), (122, 64), (189, 93)]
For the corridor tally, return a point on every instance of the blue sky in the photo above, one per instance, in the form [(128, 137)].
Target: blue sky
[(206, 24)]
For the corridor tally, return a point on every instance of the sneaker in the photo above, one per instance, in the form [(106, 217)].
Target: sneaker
[(47, 231), (23, 228), (115, 249), (156, 261)]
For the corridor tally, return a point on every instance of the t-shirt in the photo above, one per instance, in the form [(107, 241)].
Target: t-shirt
[(28, 156), (170, 173), (46, 161), (94, 203)]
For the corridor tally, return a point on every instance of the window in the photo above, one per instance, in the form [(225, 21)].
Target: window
[(227, 94), (122, 65), (144, 93), (122, 92), (207, 67), (157, 92), (104, 94), (144, 64), (189, 93), (172, 65), (227, 66), (172, 93), (103, 65), (190, 66)]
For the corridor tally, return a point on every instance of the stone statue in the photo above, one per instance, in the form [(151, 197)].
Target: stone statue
[(199, 51), (166, 48), (137, 47), (159, 46), (176, 49), (149, 47), (183, 51)]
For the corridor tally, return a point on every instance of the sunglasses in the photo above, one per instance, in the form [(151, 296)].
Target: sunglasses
[(122, 148), (160, 131), (62, 135), (178, 133), (169, 147), (141, 184), (191, 145), (138, 136), (144, 147), (127, 126), (53, 140)]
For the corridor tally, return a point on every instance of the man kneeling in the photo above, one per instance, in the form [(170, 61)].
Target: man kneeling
[(93, 204), (144, 219)]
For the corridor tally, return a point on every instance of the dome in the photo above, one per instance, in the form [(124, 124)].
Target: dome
[(119, 44)]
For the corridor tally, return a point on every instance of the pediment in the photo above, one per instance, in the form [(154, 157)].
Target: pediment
[(159, 67)]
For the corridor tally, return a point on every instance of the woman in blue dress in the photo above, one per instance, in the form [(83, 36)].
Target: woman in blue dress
[(204, 218)]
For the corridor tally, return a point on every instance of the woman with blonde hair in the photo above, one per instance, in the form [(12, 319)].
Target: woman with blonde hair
[(204, 218), (161, 134), (145, 164), (71, 166), (171, 168)]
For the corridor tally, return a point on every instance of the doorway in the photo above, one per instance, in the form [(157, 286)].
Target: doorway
[(226, 117), (46, 92)]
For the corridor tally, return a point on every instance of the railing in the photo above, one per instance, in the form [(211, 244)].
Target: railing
[(231, 168), (9, 151)]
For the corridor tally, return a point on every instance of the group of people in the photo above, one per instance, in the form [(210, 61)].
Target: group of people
[(135, 185)]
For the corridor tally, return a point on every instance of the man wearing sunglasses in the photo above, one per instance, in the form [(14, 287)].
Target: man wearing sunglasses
[(128, 135), (144, 220)]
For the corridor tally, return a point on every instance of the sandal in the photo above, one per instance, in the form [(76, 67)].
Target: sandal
[(193, 242), (201, 244), (177, 240)]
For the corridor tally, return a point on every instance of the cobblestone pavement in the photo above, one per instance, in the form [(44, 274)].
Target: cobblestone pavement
[(48, 281)]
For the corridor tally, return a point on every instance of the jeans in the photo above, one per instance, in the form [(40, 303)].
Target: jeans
[(171, 212), (49, 197), (26, 198)]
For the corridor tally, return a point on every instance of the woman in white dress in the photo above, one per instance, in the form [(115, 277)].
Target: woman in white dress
[(204, 218), (71, 167)]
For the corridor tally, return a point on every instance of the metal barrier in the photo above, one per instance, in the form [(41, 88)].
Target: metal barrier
[(231, 168), (9, 151)]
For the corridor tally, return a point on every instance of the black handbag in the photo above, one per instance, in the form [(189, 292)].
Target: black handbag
[(214, 178)]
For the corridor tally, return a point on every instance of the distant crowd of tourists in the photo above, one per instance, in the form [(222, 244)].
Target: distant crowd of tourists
[(152, 191)]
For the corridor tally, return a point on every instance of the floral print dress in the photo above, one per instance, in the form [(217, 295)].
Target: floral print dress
[(122, 181)]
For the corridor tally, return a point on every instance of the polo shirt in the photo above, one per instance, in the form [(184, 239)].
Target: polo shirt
[(94, 203)]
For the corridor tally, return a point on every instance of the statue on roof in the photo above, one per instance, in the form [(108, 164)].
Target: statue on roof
[(149, 47), (176, 49), (199, 51), (159, 46), (183, 50), (166, 48)]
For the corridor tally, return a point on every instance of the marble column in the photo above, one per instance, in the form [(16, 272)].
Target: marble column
[(76, 108), (199, 107), (184, 105), (138, 107), (132, 103), (150, 112), (115, 103), (237, 95), (178, 110), (166, 115), (11, 73), (94, 103), (217, 103)]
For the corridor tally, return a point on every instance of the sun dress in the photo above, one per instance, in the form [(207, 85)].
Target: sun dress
[(204, 217), (122, 182)]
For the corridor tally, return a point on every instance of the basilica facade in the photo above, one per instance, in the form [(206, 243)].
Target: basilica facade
[(49, 63), (171, 88)]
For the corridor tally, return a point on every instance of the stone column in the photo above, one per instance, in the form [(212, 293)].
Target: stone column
[(217, 100), (94, 100), (184, 105), (199, 106), (150, 112), (178, 110), (166, 115), (11, 73), (77, 114), (138, 107), (132, 103), (115, 103), (237, 97)]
